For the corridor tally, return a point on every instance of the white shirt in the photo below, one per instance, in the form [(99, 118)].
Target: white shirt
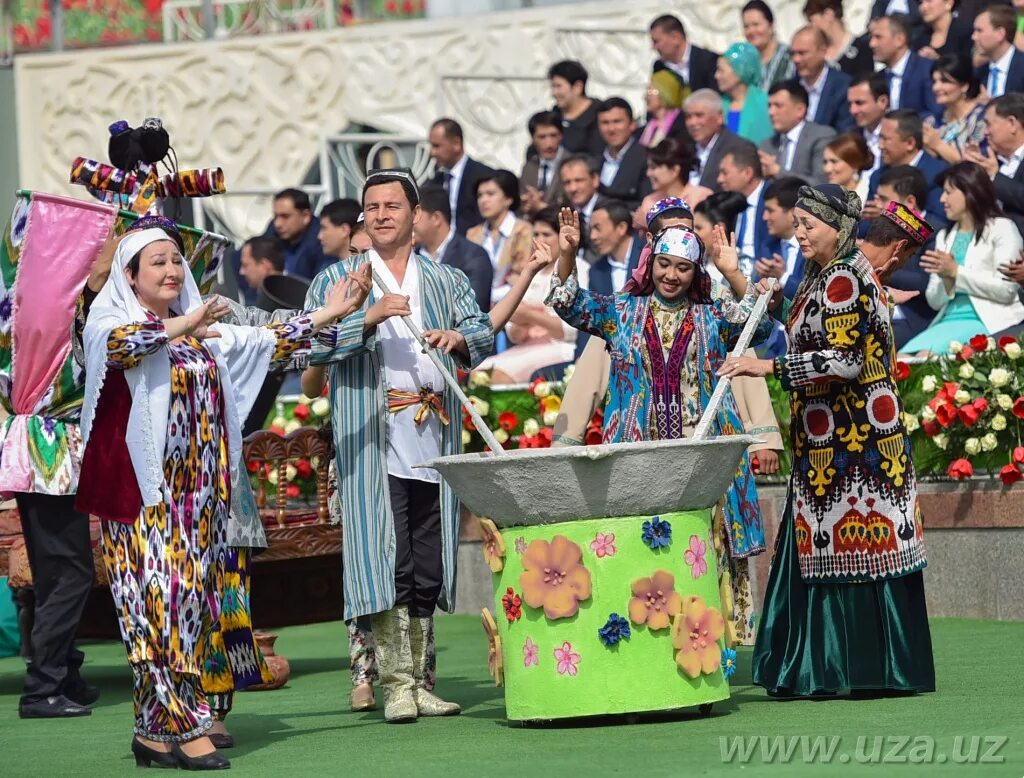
[(790, 251), (748, 222), (610, 166), (917, 159), (792, 137), (682, 68), (814, 93), (455, 182), (998, 71), (436, 256), (619, 268), (897, 7), (585, 213), (1009, 166), (407, 368), (492, 245), (552, 170), (896, 85), (871, 138), (703, 152)]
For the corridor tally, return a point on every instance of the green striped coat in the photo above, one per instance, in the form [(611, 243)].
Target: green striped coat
[(358, 409)]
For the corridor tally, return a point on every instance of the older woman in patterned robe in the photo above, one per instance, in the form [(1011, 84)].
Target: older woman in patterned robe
[(845, 606)]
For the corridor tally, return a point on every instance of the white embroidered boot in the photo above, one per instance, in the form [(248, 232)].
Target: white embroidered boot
[(427, 703), (394, 663)]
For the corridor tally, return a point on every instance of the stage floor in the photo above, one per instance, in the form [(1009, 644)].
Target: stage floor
[(306, 729)]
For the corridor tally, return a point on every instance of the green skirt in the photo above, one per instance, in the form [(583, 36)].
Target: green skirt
[(819, 638)]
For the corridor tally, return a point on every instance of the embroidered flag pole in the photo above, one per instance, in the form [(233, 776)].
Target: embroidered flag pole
[(725, 384), (453, 384)]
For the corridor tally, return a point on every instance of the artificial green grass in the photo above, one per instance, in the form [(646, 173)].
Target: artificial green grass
[(306, 729)]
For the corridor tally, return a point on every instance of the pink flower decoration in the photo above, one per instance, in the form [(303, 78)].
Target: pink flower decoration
[(520, 546), (567, 660), (530, 653), (694, 556), (603, 545)]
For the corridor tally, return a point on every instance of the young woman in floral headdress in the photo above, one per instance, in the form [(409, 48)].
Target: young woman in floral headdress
[(666, 338)]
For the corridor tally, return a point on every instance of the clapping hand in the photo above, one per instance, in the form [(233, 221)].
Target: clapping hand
[(939, 262), (901, 296), (1014, 269), (873, 208), (769, 164), (569, 232), (987, 161), (771, 268)]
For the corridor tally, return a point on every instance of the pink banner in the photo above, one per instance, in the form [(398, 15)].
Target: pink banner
[(63, 240)]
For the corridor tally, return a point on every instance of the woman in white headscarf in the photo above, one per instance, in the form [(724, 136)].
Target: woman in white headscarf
[(167, 389)]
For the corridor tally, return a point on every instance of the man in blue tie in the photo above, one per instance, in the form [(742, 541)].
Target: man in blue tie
[(994, 31), (909, 75)]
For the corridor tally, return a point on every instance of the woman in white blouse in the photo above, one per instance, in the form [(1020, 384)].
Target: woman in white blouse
[(966, 288)]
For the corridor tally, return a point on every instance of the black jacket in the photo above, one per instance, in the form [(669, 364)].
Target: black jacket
[(630, 184), (466, 213), (472, 260)]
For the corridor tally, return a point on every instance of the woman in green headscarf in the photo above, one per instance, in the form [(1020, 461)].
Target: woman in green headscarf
[(844, 608), (744, 101)]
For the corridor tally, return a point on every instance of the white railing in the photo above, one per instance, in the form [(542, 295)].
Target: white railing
[(191, 20)]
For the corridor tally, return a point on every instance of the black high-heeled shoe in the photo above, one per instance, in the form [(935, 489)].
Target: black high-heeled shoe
[(210, 761), (150, 757)]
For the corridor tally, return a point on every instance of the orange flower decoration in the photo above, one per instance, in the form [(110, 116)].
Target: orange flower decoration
[(696, 632), (495, 663), (494, 546), (655, 600), (554, 577)]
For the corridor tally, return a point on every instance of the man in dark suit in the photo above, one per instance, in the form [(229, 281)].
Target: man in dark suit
[(457, 173), (798, 146), (907, 8), (900, 144), (692, 65), (616, 244), (581, 180), (826, 87), (540, 185), (298, 231), (909, 75), (906, 185), (1003, 158), (440, 242), (741, 172), (623, 160), (712, 139), (993, 36)]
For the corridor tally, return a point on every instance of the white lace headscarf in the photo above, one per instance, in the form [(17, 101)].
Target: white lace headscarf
[(242, 354)]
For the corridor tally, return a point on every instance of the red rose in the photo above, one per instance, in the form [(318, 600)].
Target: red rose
[(304, 468), (968, 415), (593, 436), (966, 353), (1005, 341), (979, 342), (1018, 407), (544, 438), (755, 464), (902, 371), (508, 421), (276, 430), (1010, 474), (301, 412), (253, 467), (292, 490), (980, 405), (467, 422), (1018, 455), (960, 469), (931, 428), (945, 414)]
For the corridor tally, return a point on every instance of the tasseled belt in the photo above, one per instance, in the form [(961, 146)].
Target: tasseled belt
[(426, 399)]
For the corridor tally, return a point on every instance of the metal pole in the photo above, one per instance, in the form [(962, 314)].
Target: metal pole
[(209, 22), (724, 384), (56, 25)]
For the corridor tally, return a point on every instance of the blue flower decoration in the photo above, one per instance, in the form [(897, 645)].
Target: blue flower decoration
[(728, 662), (657, 533), (614, 630)]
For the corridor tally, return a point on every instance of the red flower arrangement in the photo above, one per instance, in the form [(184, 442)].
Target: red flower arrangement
[(513, 605)]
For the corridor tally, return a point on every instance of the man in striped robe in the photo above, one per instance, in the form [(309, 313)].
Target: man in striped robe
[(390, 413)]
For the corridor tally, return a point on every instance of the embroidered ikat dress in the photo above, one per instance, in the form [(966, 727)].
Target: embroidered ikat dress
[(853, 490), (169, 568)]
